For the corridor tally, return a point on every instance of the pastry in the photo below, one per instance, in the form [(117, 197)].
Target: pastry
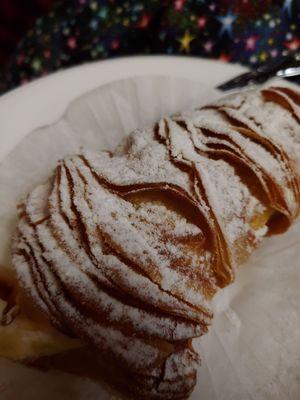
[(118, 255)]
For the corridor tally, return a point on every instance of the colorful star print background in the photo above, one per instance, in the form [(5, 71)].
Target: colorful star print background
[(251, 32)]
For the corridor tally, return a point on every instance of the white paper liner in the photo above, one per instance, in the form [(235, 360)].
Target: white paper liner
[(252, 350)]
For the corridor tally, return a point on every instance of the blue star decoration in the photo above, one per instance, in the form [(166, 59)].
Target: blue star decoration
[(287, 7), (226, 21)]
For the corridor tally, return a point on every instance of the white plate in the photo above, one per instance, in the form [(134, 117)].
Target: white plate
[(43, 101), (251, 350)]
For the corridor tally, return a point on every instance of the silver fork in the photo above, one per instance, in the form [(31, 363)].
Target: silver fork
[(287, 67)]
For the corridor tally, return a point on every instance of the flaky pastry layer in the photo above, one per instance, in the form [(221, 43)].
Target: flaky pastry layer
[(125, 250)]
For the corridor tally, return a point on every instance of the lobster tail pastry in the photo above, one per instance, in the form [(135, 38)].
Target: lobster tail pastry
[(124, 251)]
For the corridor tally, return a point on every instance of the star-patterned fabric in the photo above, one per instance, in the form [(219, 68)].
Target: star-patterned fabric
[(250, 32)]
